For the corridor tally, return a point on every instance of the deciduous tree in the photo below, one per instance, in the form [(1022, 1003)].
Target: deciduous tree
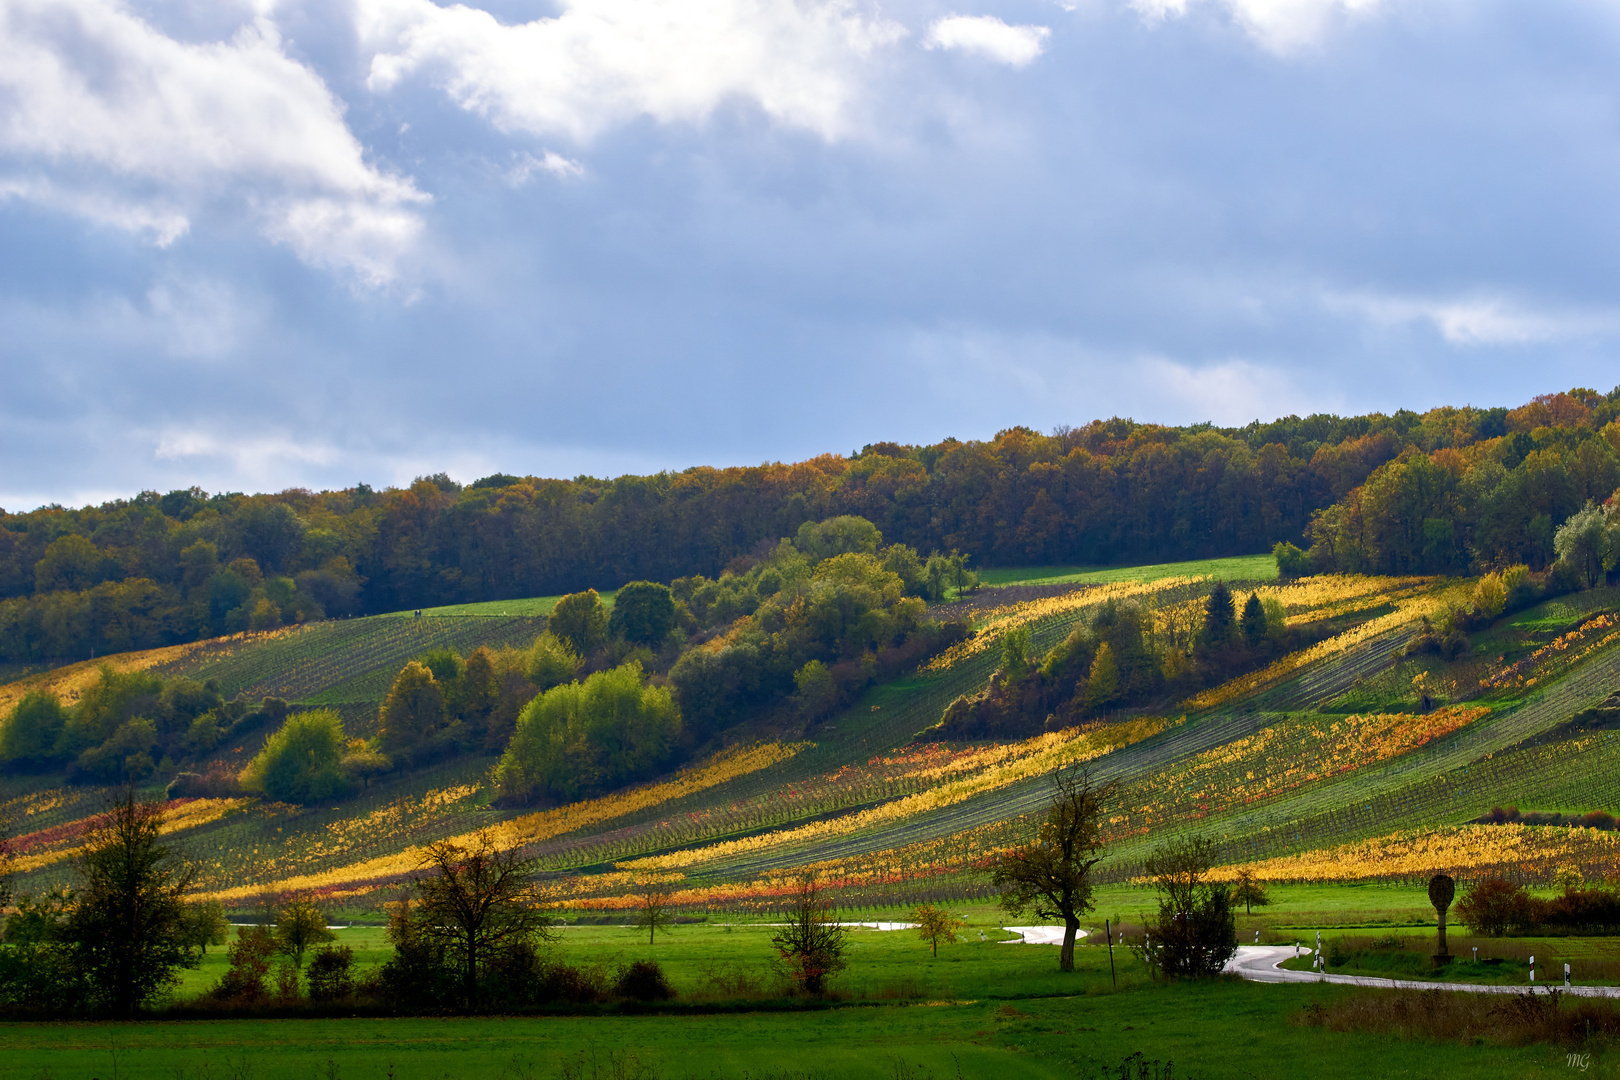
[(812, 944), (1052, 876), (935, 924), (476, 901), (127, 924)]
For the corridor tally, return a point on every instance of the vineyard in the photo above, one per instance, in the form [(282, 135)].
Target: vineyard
[(1326, 750), (344, 660)]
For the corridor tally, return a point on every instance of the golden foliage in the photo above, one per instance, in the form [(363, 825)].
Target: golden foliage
[(1060, 748), (998, 621), (528, 828), (1468, 850)]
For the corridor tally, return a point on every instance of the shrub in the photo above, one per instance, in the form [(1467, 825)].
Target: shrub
[(643, 980), (331, 973), (250, 955), (1493, 906)]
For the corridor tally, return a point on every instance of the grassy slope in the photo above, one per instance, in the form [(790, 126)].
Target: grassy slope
[(1235, 568), (528, 607)]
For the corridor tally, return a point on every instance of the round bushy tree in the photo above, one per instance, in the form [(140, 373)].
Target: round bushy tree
[(299, 763), (643, 613)]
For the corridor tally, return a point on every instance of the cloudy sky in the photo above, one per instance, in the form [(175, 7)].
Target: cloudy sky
[(254, 244)]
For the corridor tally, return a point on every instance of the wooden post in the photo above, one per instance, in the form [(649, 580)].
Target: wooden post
[(1108, 930)]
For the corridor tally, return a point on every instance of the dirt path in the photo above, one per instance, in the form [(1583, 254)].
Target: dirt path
[(1262, 963)]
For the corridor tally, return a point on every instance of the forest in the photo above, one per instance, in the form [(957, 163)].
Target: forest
[(1432, 492)]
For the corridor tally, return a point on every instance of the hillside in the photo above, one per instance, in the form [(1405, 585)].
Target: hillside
[(1366, 735)]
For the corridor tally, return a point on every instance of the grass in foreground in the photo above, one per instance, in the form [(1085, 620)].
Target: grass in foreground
[(1079, 1026)]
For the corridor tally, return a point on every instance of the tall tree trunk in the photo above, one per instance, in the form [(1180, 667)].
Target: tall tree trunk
[(1066, 958)]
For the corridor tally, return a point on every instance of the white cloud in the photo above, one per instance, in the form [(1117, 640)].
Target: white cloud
[(260, 460), (1229, 392), (1279, 25), (989, 37), (603, 62), (1478, 320), (139, 131), (527, 165)]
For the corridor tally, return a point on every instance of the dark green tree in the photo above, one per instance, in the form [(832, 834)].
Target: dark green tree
[(1196, 929), (127, 926), (581, 620), (1253, 622), (1220, 617), (643, 613), (29, 739)]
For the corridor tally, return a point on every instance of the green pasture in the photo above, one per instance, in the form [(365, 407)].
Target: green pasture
[(1231, 568), (527, 607), (980, 1010)]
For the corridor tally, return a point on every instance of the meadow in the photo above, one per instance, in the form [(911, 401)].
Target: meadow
[(980, 1009)]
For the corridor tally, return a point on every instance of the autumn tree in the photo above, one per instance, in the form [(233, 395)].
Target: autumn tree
[(1052, 875), (127, 926), (935, 924), (475, 902)]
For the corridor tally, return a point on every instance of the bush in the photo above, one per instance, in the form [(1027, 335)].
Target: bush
[(250, 954), (1493, 906), (331, 973), (643, 981)]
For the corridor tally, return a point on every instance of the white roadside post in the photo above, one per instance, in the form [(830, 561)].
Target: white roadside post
[(1566, 976), (1532, 969)]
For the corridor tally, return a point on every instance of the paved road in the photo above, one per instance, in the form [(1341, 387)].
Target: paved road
[(1260, 963)]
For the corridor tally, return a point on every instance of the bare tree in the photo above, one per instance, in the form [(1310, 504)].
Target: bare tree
[(654, 915), (1052, 876), (812, 943), (477, 901)]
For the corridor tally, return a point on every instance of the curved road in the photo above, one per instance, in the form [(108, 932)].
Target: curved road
[(1262, 963)]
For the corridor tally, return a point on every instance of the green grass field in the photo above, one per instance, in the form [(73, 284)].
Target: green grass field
[(528, 607), (981, 1009), (1235, 568)]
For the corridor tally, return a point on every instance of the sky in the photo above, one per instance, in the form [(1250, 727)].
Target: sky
[(259, 244)]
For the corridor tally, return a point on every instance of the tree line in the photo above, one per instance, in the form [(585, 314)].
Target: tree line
[(1492, 503), (158, 569)]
